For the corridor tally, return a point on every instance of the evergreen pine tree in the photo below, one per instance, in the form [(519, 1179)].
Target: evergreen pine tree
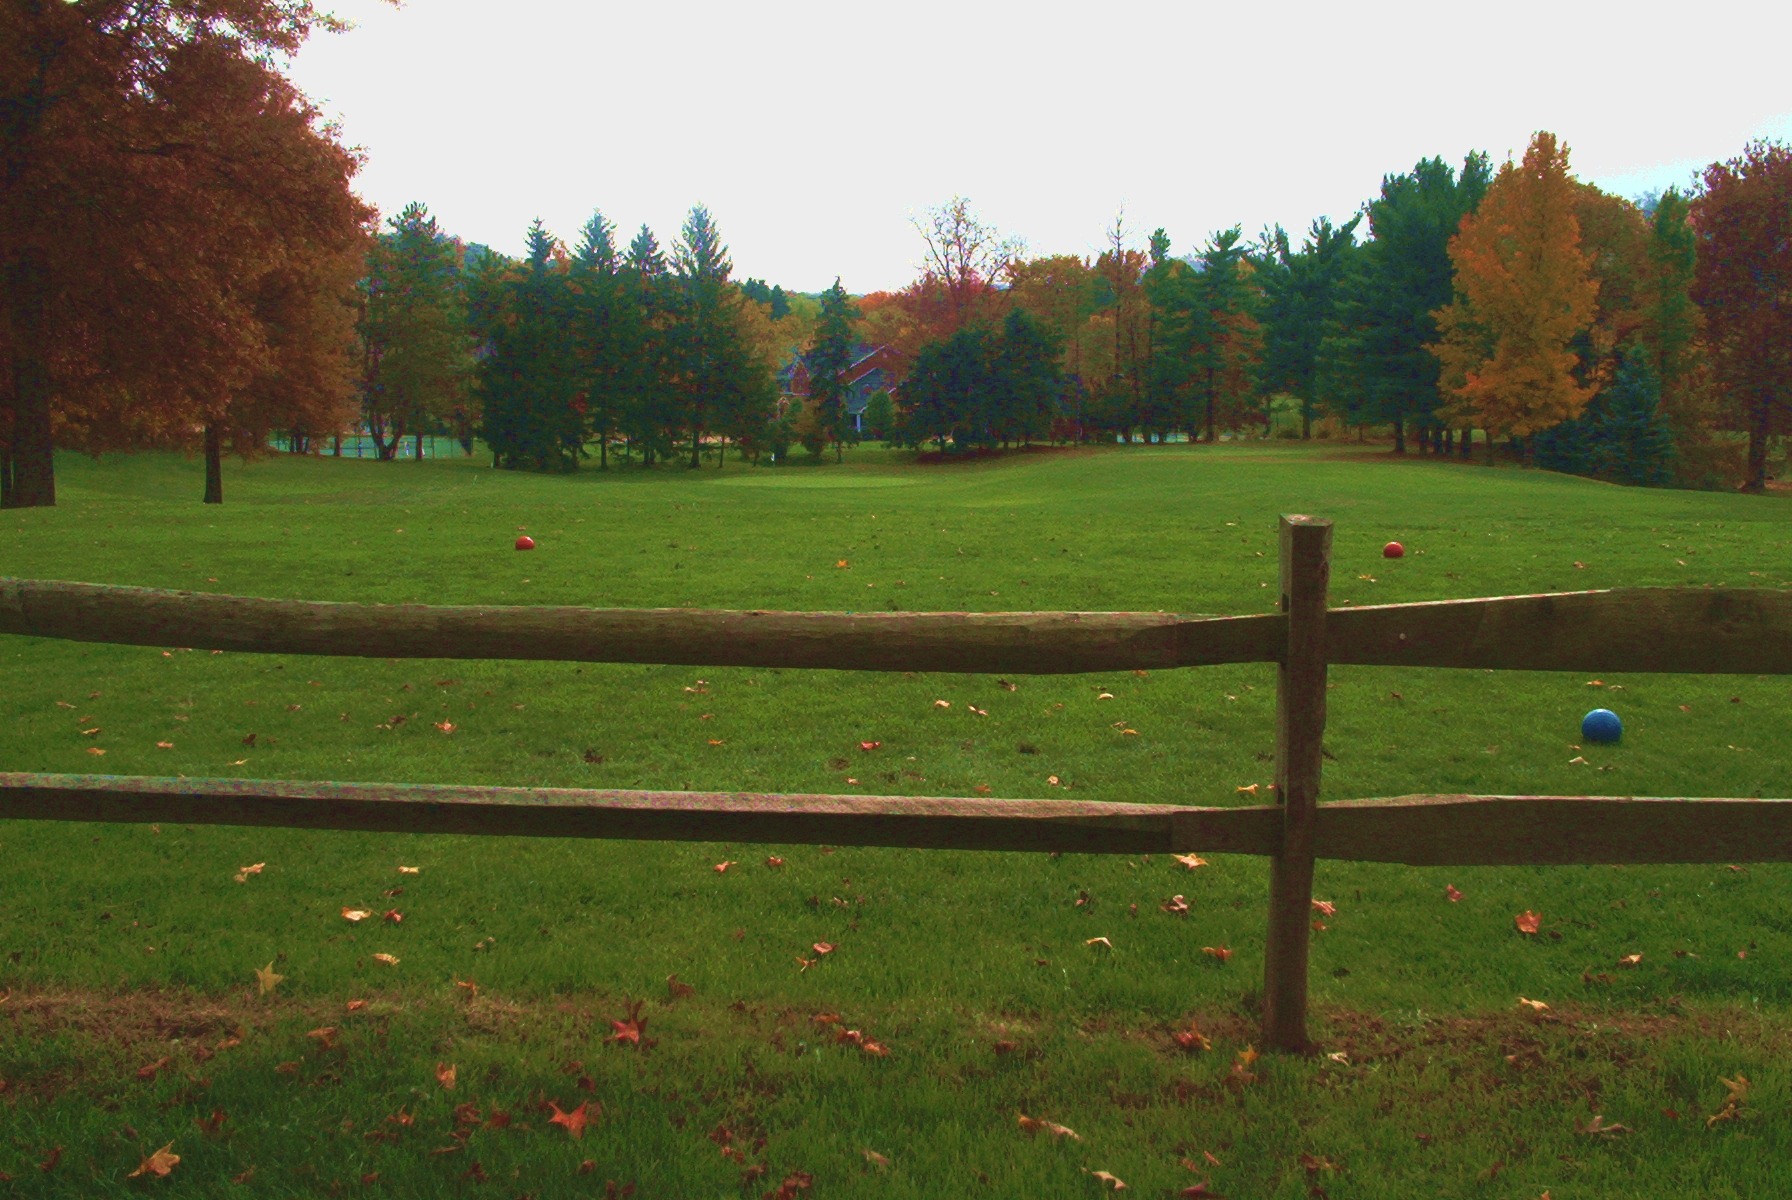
[(605, 335), (1301, 294), (1373, 365), (529, 378), (417, 356), (648, 417), (1027, 379), (829, 358)]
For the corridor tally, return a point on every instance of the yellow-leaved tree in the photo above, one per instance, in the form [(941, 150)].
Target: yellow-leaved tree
[(1524, 292)]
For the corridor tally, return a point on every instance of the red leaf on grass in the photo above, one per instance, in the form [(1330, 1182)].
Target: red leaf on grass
[(1528, 922), (629, 1029), (575, 1121), (1452, 893)]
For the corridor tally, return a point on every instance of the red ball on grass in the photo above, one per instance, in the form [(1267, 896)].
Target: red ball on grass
[(1393, 550), (525, 543)]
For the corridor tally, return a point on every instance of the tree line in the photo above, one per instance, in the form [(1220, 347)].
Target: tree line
[(186, 265), (1646, 341)]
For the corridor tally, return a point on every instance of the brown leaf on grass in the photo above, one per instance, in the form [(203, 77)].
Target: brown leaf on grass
[(409, 870), (1452, 893), (874, 1158), (469, 987), (325, 1037), (356, 1005), (1099, 942), (1326, 907), (1207, 1156), (244, 1177), (1313, 1164), (1112, 1180), (823, 948), (1176, 906), (1192, 1038), (390, 960), (722, 867), (467, 1114), (49, 1164), (630, 1028), (1005, 1047), (243, 873), (775, 863), (159, 1163), (1240, 1076), (96, 750), (1200, 1191), (401, 1117), (164, 745), (1733, 1102), (499, 1119), (1534, 1005), (287, 1068), (676, 990), (1630, 960), (213, 1123), (874, 1048), (1223, 953), (445, 1073), (355, 914), (392, 915), (1191, 861), (982, 789), (586, 1167), (575, 1121), (1036, 1125), (1528, 922), (370, 1177), (869, 746), (796, 1181), (1598, 1128), (148, 1070)]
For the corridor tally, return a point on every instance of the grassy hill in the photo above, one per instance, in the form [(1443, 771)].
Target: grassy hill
[(126, 945)]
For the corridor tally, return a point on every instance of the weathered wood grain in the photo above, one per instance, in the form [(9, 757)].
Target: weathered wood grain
[(1456, 831), (1746, 631), (1424, 830), (1075, 826), (1043, 643), (1306, 544)]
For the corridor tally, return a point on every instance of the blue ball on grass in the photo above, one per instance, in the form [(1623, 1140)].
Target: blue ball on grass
[(1601, 725)]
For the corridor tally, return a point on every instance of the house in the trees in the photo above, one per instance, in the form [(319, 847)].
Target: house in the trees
[(873, 370)]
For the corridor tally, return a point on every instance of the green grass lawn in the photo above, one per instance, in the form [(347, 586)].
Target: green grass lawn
[(130, 946)]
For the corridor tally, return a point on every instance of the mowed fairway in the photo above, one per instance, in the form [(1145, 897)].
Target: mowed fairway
[(128, 948)]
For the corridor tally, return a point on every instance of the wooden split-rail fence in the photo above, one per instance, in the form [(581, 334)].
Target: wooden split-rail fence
[(1695, 630)]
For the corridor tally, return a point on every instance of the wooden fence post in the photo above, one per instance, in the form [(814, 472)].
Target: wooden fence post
[(1306, 544)]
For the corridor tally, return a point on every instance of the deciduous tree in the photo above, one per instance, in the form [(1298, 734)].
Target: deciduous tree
[(1524, 292), (1743, 216)]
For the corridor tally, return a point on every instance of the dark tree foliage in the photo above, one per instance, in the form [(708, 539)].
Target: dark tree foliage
[(1374, 366), (1301, 293), (829, 359), (1621, 435), (528, 379), (978, 388)]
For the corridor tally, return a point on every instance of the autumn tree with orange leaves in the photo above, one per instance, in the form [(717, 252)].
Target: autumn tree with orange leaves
[(1524, 292), (1743, 218), (177, 236)]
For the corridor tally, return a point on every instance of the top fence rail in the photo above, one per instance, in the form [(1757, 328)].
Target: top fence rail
[(1689, 630)]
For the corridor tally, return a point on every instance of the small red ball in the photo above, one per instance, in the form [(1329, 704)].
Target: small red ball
[(1393, 550), (525, 543)]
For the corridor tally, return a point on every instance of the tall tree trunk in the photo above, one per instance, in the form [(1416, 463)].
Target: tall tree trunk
[(1760, 428), (1306, 421), (336, 444), (5, 474), (603, 452), (33, 452), (419, 447), (1399, 436), (1468, 443), (214, 463)]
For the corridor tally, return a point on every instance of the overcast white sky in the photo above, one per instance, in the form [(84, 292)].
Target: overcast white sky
[(813, 131)]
